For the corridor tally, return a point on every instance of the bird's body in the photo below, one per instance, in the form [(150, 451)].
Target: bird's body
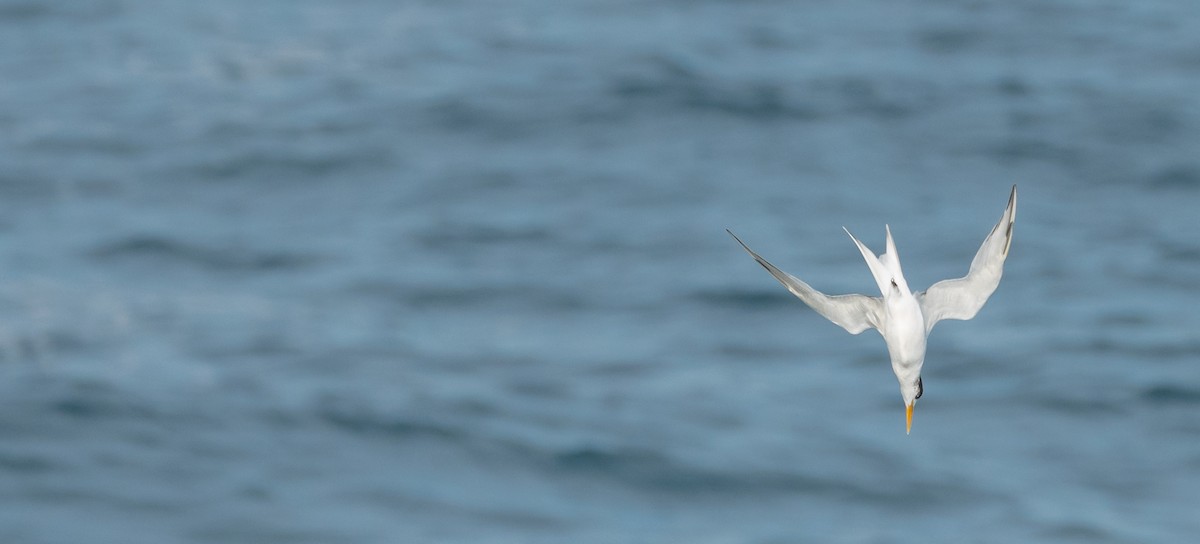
[(902, 317), (905, 336)]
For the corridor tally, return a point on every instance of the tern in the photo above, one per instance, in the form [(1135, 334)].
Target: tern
[(902, 317)]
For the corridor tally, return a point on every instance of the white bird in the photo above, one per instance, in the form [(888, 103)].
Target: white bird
[(902, 317)]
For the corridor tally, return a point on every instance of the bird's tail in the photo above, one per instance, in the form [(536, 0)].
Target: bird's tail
[(885, 268)]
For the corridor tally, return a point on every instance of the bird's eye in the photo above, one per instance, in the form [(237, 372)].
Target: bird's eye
[(920, 387)]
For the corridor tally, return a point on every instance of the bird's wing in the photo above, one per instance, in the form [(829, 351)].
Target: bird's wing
[(962, 298), (855, 313)]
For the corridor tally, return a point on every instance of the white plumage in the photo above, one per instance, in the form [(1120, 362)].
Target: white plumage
[(902, 317)]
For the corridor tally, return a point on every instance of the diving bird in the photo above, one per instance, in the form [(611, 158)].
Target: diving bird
[(902, 317)]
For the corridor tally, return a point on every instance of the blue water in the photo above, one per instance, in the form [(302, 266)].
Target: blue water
[(455, 271)]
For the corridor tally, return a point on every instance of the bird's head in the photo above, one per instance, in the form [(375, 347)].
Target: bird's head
[(910, 391)]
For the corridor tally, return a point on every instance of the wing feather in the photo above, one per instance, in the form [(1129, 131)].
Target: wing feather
[(855, 313), (961, 298)]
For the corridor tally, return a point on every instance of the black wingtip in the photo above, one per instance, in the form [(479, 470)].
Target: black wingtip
[(1012, 218), (760, 260), (739, 241)]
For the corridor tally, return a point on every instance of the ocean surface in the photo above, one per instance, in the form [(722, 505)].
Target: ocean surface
[(456, 271)]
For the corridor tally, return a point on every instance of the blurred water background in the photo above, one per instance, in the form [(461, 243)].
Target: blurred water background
[(455, 271)]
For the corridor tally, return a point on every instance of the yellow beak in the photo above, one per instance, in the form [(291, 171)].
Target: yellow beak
[(908, 419)]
